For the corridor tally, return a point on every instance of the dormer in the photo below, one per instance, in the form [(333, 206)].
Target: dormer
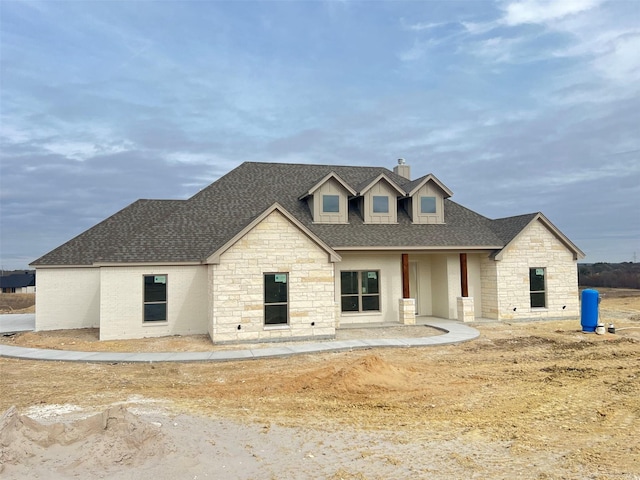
[(379, 200), (328, 200), (426, 200)]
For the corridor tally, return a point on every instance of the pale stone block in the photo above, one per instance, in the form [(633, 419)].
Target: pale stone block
[(407, 311), (466, 311)]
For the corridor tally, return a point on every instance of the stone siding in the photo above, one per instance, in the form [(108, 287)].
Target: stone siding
[(466, 311), (505, 283), (407, 307), (275, 245)]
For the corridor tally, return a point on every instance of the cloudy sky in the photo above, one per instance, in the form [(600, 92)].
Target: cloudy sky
[(517, 107)]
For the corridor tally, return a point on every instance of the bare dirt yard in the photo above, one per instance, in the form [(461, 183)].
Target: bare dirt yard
[(532, 400), (17, 303)]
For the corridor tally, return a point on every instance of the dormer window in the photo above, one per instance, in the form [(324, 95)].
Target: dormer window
[(427, 204), (330, 203), (328, 199), (425, 200), (378, 200), (380, 204)]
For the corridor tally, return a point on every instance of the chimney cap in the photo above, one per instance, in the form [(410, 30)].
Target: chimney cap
[(401, 161)]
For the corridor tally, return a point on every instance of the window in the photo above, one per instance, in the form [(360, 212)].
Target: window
[(155, 298), (276, 295), (330, 203), (537, 287), (427, 204), (360, 291), (380, 204)]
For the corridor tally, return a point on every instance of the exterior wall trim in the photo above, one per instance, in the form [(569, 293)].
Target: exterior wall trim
[(456, 249), (379, 178), (324, 180), (431, 178)]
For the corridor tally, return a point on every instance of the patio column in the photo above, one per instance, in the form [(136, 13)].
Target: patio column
[(466, 310), (463, 275), (407, 305), (405, 276)]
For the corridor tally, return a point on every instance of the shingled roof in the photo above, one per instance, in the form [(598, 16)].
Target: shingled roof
[(18, 280), (185, 231)]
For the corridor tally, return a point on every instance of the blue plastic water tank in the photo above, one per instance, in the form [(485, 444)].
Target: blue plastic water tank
[(589, 310)]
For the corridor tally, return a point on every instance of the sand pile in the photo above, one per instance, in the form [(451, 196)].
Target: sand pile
[(366, 374), (99, 442)]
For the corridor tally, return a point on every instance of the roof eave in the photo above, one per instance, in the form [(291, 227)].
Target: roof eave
[(417, 248)]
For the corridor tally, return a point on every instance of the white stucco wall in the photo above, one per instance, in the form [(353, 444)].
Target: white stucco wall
[(390, 267), (445, 284), (275, 245), (505, 283), (474, 281), (420, 283), (122, 295), (67, 298)]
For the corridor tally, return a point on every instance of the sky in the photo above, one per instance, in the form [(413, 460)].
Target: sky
[(516, 106)]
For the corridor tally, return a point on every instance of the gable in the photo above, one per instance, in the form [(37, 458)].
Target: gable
[(271, 224), (330, 202), (427, 204), (539, 236), (380, 203)]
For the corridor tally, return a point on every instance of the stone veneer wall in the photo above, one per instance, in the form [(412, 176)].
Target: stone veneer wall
[(275, 245), (505, 283), (68, 298)]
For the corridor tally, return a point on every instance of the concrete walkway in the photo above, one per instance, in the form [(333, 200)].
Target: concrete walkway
[(17, 322), (455, 332)]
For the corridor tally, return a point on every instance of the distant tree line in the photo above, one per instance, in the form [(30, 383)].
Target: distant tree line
[(609, 275)]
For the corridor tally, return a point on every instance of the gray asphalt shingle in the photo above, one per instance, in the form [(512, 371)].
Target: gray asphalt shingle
[(191, 230)]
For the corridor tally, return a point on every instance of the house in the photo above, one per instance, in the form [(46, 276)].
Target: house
[(23, 282), (278, 251)]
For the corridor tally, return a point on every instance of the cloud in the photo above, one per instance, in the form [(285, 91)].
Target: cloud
[(516, 106), (544, 11)]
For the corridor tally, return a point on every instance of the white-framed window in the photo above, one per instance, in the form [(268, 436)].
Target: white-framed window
[(380, 204), (330, 203), (155, 298), (276, 298), (538, 287), (427, 204), (360, 291)]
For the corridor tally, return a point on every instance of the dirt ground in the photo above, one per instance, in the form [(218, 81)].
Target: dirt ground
[(17, 303), (533, 400)]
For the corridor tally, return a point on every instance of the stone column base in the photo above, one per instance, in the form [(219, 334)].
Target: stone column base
[(466, 311), (407, 311)]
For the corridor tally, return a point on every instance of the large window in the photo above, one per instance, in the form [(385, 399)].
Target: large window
[(330, 203), (276, 298), (380, 204), (360, 291), (537, 288), (155, 298), (427, 204)]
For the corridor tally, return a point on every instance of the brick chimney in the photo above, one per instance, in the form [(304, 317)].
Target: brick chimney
[(402, 169)]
